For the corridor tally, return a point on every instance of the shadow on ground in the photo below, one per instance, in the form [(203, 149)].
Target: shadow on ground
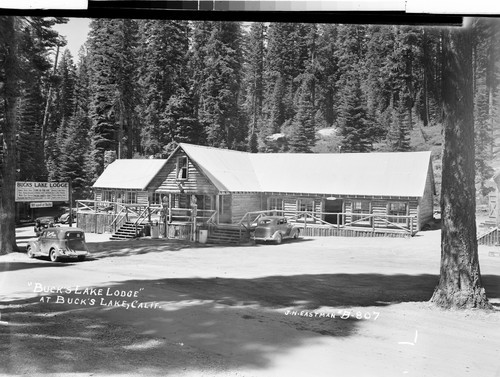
[(203, 325), (37, 262), (127, 248)]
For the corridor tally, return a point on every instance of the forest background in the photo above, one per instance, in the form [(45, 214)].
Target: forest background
[(138, 86)]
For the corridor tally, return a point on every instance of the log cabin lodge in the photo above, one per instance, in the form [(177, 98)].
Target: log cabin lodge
[(204, 188)]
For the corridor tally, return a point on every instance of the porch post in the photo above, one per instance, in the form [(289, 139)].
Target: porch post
[(217, 207), (169, 208)]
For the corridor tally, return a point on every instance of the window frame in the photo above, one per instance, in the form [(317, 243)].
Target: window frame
[(391, 212), (182, 171), (358, 213)]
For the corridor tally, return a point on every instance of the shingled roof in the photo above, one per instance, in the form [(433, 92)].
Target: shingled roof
[(395, 174), (400, 174), (135, 174)]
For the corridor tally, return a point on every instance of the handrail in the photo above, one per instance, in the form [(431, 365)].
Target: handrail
[(115, 220), (305, 217)]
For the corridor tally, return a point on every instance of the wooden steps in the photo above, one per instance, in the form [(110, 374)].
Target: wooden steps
[(127, 231), (490, 238)]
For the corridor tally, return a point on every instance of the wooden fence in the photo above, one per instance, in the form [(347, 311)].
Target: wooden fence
[(92, 222), (179, 231)]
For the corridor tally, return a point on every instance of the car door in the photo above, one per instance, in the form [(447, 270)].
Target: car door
[(282, 226), (287, 228), (42, 243)]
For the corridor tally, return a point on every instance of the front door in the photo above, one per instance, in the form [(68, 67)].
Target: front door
[(333, 209)]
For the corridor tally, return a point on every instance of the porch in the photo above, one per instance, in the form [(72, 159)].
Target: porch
[(126, 221), (185, 223), (345, 224)]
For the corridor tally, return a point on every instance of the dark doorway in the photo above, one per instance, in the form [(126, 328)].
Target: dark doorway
[(333, 207)]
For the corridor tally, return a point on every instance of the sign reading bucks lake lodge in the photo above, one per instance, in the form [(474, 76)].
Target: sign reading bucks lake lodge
[(42, 191)]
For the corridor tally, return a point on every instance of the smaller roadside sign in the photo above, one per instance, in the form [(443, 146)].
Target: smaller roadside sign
[(41, 205)]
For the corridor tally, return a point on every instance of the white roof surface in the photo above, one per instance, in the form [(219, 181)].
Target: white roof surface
[(370, 174), (129, 174)]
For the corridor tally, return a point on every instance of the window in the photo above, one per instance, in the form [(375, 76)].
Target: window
[(276, 204), (156, 198), (204, 202), (131, 197), (397, 209), (182, 167), (363, 209), (106, 196), (306, 205)]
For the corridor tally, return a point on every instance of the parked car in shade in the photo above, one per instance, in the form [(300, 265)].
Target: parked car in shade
[(64, 218), (58, 243), (275, 228), (434, 223), (42, 223)]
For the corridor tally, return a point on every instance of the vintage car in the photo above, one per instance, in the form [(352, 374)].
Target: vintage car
[(42, 223), (65, 217), (60, 242), (275, 228)]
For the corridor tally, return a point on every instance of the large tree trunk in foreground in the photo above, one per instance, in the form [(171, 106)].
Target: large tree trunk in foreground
[(460, 281), (8, 100)]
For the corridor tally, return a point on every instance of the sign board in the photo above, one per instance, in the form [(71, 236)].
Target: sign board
[(42, 191), (41, 205)]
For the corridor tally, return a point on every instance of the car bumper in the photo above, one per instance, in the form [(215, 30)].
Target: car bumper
[(72, 254), (264, 238)]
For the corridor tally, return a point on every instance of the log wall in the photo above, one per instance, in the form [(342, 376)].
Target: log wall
[(196, 182)]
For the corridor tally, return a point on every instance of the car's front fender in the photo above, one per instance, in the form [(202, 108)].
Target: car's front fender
[(275, 235), (34, 246)]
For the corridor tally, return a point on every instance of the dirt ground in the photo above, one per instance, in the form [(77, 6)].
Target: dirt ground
[(315, 306)]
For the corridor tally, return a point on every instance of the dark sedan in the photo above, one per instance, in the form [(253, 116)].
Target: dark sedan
[(42, 223), (60, 242), (275, 228)]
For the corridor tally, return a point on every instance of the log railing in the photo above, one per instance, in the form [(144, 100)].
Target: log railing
[(406, 224)]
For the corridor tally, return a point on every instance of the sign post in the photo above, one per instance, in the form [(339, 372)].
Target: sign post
[(70, 220)]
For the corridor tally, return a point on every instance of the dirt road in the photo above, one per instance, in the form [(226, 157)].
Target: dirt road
[(317, 307)]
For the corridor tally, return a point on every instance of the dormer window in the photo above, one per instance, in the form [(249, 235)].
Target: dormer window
[(182, 167)]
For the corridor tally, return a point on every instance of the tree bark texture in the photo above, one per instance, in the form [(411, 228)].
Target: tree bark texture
[(460, 278), (8, 98)]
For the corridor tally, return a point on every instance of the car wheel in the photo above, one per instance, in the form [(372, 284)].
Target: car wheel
[(81, 258), (279, 238), (53, 256), (29, 251)]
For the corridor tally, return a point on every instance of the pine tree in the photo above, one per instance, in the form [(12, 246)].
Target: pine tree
[(74, 149), (111, 83), (37, 40), (178, 122), (357, 128), (398, 136), (62, 110), (328, 87), (485, 56), (102, 72), (219, 106), (302, 136), (253, 82), (162, 54), (9, 93), (460, 283)]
